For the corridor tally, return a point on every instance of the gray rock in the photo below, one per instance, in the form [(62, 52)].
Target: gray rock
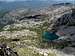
[(6, 51), (69, 50)]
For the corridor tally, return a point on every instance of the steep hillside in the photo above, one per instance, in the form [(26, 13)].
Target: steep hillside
[(22, 31)]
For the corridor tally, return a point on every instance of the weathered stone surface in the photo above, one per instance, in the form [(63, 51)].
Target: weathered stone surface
[(18, 34)]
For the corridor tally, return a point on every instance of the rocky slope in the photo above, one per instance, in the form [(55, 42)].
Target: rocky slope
[(22, 29)]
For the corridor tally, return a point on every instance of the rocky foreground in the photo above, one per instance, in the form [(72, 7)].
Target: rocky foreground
[(22, 28)]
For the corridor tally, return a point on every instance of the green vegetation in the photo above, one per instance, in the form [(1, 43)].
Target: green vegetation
[(27, 52), (30, 52)]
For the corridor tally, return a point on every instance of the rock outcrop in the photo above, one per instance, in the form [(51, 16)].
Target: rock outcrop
[(6, 51)]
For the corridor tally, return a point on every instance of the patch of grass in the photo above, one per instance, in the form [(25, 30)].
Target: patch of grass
[(52, 54), (27, 52)]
